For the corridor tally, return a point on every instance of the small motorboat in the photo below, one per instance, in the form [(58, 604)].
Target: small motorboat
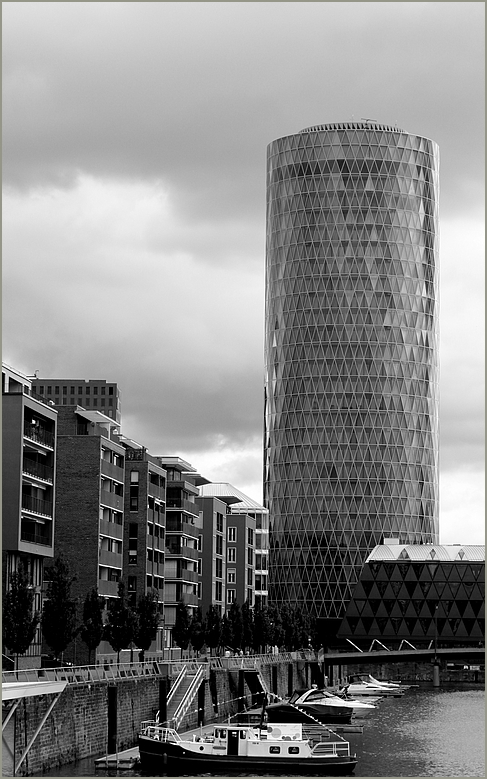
[(317, 699), (364, 687), (277, 748)]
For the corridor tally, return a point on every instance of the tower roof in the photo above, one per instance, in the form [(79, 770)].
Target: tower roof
[(467, 553)]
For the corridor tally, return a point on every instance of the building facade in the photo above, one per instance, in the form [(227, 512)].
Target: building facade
[(29, 430), (183, 525), (351, 406), (144, 529), (212, 547), (92, 394), (420, 594), (90, 507), (241, 505)]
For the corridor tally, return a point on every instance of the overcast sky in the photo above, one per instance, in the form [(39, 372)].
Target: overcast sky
[(134, 149)]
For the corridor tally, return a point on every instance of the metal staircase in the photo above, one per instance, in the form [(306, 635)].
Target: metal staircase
[(182, 695)]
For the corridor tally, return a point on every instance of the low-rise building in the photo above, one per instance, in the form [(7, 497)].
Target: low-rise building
[(92, 394)]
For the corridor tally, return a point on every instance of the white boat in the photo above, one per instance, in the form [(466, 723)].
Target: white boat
[(315, 698), (366, 688), (279, 747)]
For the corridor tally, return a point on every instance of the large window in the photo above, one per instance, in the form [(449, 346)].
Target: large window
[(232, 554), (232, 534), (231, 596)]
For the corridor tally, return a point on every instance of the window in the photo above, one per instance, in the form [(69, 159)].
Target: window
[(218, 591), (293, 750), (41, 390), (250, 536), (231, 575), (132, 558), (249, 575), (65, 390), (102, 390), (219, 522), (218, 568), (232, 534), (71, 390), (232, 554), (95, 390), (134, 477), (56, 390), (95, 402), (219, 545), (250, 556), (49, 390), (132, 583), (231, 596), (274, 750), (87, 390), (110, 390)]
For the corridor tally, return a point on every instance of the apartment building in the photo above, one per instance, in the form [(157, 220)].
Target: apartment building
[(90, 506), (242, 506), (213, 552), (183, 526), (144, 528), (91, 394), (28, 472)]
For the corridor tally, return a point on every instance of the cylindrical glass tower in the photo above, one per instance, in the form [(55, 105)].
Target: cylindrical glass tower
[(351, 416)]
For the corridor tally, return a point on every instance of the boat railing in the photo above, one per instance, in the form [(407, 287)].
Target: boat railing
[(333, 748), (152, 729)]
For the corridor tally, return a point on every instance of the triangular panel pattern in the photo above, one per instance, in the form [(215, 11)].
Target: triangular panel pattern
[(351, 404)]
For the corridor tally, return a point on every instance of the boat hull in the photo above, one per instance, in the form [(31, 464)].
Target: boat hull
[(173, 759)]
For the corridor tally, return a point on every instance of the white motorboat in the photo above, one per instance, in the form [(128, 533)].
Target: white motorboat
[(314, 697)]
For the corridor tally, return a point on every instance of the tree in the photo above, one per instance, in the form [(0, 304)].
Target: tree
[(59, 610), (247, 626), (180, 631), (92, 627), (213, 627), (19, 622), (232, 632), (147, 622), (197, 630), (263, 629), (120, 625), (277, 635)]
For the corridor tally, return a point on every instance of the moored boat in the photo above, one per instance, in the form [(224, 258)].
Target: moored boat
[(275, 748), (321, 700)]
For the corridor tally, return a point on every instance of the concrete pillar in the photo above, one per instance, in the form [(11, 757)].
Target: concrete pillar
[(112, 719), (436, 674), (163, 693)]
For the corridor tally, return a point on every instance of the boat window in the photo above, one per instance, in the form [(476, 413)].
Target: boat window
[(274, 750), (242, 734), (293, 750)]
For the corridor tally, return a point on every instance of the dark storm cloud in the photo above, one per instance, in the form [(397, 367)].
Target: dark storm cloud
[(191, 93), (134, 150)]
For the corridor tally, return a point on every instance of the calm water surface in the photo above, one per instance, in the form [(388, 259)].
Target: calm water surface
[(428, 732)]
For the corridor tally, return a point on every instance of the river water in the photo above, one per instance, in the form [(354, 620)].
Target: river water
[(428, 732)]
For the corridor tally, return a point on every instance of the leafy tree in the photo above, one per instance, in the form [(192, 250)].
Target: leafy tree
[(181, 629), (233, 627), (59, 611), (263, 628), (315, 635), (147, 622), (213, 627), (92, 627), (19, 622), (277, 634), (247, 626), (120, 625), (197, 630)]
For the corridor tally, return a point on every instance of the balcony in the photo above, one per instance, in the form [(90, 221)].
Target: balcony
[(112, 471), (111, 529), (42, 538), (110, 559), (40, 435), (182, 505), (111, 499), (176, 525), (182, 551), (106, 588), (37, 506), (38, 470)]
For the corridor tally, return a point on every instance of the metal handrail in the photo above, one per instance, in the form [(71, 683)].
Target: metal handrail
[(187, 700), (83, 674), (176, 684)]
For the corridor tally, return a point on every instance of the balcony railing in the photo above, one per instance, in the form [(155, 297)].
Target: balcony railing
[(44, 539), (37, 506), (23, 390), (40, 435), (38, 470)]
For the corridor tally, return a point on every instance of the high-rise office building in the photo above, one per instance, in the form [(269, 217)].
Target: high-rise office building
[(351, 439)]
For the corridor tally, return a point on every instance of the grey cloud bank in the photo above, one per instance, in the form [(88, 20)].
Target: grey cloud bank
[(134, 200)]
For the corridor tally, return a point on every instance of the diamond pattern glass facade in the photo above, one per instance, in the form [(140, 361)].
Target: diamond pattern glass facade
[(350, 451)]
